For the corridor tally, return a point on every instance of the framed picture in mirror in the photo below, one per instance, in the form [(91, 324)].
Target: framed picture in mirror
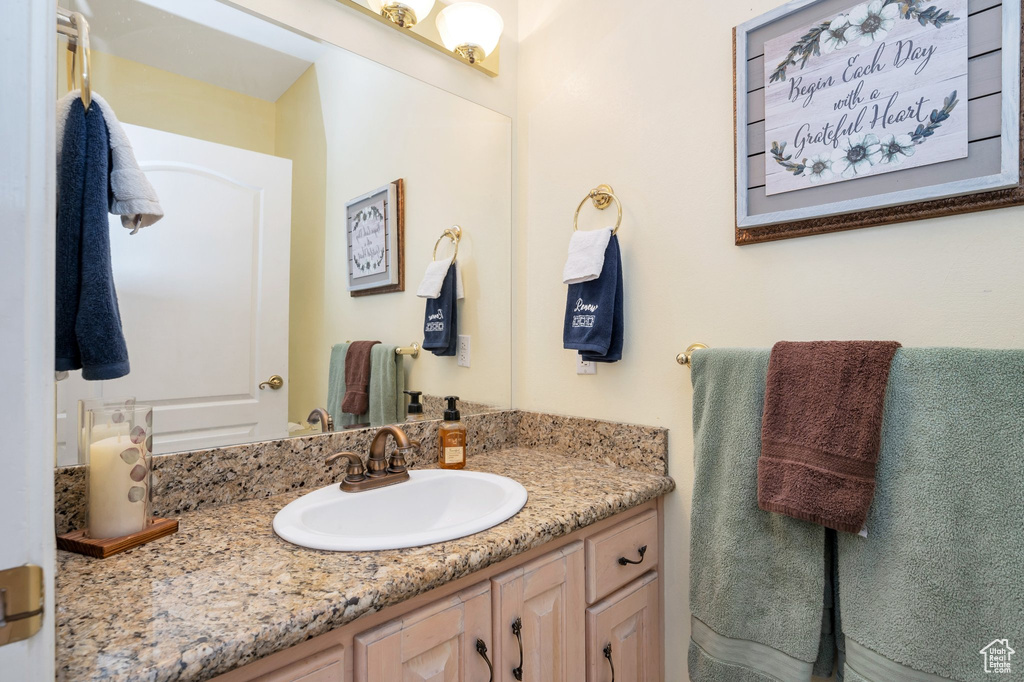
[(374, 225)]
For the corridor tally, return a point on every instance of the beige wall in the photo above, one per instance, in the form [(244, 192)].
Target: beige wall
[(301, 138), (609, 94), (455, 159), (159, 99)]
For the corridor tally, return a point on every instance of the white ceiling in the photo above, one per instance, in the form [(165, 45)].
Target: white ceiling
[(201, 39)]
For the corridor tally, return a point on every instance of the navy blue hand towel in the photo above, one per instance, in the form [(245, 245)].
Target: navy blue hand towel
[(88, 322), (440, 323), (594, 312)]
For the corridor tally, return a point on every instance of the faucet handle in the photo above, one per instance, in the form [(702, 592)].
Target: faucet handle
[(354, 472), (397, 464)]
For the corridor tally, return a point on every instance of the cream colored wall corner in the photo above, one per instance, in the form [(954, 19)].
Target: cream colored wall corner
[(301, 138), (609, 95), (154, 98)]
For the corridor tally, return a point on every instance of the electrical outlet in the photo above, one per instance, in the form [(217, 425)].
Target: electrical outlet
[(463, 350), (585, 366)]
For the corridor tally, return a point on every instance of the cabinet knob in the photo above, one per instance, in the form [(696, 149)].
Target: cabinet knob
[(481, 649), (608, 655), (623, 561)]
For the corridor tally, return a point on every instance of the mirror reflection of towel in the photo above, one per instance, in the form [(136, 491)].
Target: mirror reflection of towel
[(440, 321), (594, 312), (357, 377)]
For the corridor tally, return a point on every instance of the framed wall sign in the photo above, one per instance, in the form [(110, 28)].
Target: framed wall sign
[(858, 114), (376, 241)]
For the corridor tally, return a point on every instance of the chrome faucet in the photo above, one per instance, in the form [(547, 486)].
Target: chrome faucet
[(322, 417), (379, 470)]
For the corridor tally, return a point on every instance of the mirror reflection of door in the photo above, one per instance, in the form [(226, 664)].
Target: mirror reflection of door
[(255, 138), (203, 297)]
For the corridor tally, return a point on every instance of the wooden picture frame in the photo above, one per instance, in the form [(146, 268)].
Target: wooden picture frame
[(996, 183), (375, 241)]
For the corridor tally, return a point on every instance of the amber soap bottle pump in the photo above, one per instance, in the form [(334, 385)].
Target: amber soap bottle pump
[(452, 438)]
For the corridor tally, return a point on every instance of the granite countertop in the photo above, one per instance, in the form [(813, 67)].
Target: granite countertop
[(225, 590)]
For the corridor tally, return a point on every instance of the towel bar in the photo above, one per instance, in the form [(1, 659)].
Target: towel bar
[(684, 357), (413, 350)]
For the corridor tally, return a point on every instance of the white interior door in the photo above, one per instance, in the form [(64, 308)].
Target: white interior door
[(203, 296), (28, 51)]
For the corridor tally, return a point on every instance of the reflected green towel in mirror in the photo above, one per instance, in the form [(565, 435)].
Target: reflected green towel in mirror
[(387, 382)]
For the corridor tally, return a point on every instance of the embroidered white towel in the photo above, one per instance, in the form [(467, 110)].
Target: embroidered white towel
[(586, 255), (433, 278), (131, 195)]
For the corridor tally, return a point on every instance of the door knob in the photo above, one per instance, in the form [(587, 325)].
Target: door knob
[(275, 382)]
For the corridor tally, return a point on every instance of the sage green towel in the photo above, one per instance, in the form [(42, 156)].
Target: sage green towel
[(941, 572), (757, 579), (387, 383)]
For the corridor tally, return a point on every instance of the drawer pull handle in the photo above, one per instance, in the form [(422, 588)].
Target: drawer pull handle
[(517, 630), (623, 561), (608, 655), (481, 649)]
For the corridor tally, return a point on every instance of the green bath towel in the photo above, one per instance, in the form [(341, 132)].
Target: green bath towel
[(387, 383), (941, 574), (757, 579)]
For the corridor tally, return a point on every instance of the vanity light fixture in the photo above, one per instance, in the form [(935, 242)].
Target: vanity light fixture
[(405, 13), (470, 29)]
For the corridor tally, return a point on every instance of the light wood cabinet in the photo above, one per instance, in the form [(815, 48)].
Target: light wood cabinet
[(620, 554), (624, 633), (544, 599), (435, 643), (433, 636)]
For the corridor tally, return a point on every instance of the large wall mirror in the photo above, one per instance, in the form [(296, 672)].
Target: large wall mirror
[(276, 156)]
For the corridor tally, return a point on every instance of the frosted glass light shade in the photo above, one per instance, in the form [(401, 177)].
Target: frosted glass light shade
[(470, 25), (419, 8)]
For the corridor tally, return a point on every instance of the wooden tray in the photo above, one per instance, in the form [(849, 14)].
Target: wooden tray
[(101, 549)]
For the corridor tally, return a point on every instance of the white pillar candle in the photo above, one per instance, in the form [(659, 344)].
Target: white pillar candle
[(117, 503)]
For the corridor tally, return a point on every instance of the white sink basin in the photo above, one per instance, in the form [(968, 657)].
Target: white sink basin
[(433, 506)]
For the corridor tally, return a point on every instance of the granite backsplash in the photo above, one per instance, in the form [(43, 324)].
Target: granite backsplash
[(189, 481)]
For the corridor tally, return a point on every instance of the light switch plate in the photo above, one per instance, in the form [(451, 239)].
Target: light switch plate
[(463, 353), (585, 366)]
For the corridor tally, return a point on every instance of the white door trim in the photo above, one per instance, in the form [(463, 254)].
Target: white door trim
[(28, 53)]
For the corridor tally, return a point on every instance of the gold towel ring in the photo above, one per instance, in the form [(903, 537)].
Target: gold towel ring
[(602, 196), (78, 51), (455, 234)]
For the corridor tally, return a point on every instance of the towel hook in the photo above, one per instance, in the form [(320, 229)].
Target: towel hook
[(602, 196), (455, 234), (685, 357)]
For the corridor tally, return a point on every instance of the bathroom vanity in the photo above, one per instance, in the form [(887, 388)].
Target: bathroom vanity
[(226, 597)]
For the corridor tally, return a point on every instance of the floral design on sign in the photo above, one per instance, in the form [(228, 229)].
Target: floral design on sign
[(864, 25), (861, 92), (369, 243)]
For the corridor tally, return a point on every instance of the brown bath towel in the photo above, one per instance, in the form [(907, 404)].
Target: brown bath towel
[(357, 377), (821, 430)]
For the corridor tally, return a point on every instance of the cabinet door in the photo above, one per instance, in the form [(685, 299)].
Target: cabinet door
[(435, 643), (545, 597), (624, 632)]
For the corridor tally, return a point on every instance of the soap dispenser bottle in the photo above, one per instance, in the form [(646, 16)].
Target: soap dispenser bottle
[(414, 412), (452, 438)]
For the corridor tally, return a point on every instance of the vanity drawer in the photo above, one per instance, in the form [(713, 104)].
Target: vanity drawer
[(605, 572)]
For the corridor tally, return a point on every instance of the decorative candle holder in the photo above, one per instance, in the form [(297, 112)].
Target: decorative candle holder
[(118, 444)]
